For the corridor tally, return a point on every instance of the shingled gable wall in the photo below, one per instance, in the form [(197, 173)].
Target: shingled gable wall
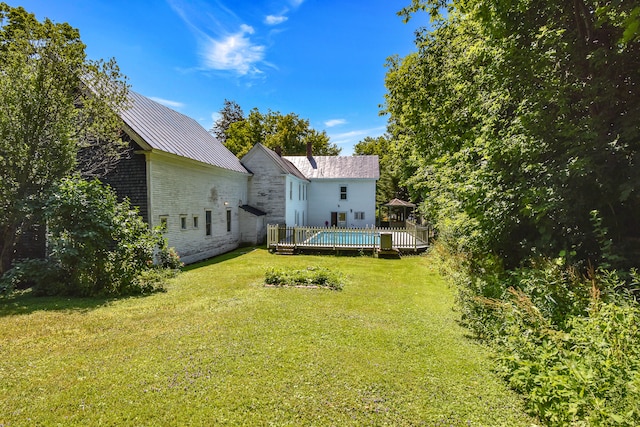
[(129, 179), (266, 186)]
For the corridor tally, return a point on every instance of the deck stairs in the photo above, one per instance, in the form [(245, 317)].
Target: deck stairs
[(285, 250)]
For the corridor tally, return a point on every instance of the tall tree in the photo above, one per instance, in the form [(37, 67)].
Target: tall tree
[(519, 120), (287, 132), (58, 112), (230, 113), (389, 185)]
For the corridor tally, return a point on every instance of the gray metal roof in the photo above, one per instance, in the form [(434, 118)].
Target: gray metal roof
[(166, 130), (337, 167)]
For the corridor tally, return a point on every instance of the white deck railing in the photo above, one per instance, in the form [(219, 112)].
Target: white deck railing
[(413, 237)]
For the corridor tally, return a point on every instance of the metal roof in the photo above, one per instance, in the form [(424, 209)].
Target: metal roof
[(166, 130), (337, 167), (402, 203), (252, 210)]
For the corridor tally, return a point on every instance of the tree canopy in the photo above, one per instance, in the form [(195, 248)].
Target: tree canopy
[(288, 133), (517, 123), (230, 113), (58, 113), (389, 185)]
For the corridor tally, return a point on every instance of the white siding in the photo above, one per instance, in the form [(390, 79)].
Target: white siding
[(180, 187), (324, 198), (267, 187), (296, 204)]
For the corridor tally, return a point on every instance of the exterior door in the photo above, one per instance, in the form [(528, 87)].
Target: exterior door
[(342, 219), (334, 219)]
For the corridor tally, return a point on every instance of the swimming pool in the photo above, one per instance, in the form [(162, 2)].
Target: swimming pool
[(346, 238)]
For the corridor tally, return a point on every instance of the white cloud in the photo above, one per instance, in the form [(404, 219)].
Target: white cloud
[(355, 136), (334, 122), (274, 20), (296, 3), (167, 102), (235, 52)]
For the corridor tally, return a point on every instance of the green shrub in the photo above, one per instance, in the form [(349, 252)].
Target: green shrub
[(312, 276), (589, 374), (570, 343), (97, 246), (30, 273), (586, 372)]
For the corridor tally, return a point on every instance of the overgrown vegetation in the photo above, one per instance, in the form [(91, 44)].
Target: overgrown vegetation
[(58, 114), (97, 246), (516, 123), (569, 342), (310, 277)]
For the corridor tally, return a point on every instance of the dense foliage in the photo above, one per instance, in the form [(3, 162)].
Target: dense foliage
[(98, 246), (518, 120), (517, 124), (58, 112), (230, 113), (389, 185), (287, 133)]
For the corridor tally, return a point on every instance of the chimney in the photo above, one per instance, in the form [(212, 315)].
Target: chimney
[(309, 150), (278, 151)]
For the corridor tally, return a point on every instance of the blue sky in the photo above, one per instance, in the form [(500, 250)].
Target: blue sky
[(321, 59)]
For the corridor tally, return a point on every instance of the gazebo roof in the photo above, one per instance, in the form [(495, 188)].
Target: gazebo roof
[(400, 203)]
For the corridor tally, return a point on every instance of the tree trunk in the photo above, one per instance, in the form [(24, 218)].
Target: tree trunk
[(8, 241)]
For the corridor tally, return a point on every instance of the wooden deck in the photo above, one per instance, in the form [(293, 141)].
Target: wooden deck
[(290, 240)]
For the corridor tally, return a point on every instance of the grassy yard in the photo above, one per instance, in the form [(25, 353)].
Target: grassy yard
[(219, 348)]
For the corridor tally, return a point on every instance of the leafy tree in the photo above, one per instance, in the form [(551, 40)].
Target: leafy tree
[(98, 245), (58, 112), (389, 185), (518, 121), (230, 113), (288, 132)]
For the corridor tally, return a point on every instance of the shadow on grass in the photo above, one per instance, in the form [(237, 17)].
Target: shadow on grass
[(222, 258), (24, 302)]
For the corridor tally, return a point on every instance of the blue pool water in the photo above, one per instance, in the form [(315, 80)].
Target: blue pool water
[(330, 238)]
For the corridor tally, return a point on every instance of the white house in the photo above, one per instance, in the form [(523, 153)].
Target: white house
[(313, 190), (209, 202), (342, 189), (183, 179), (276, 187)]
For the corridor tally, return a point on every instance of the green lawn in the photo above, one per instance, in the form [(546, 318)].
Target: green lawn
[(219, 348)]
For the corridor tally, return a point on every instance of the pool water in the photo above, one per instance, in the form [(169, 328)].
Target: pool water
[(344, 238)]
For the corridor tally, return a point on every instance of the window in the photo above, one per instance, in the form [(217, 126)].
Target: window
[(195, 222), (228, 220), (358, 215), (299, 191), (164, 222), (183, 222), (343, 192), (207, 223), (290, 190)]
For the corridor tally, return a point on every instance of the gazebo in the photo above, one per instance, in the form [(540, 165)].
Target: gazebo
[(397, 212)]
